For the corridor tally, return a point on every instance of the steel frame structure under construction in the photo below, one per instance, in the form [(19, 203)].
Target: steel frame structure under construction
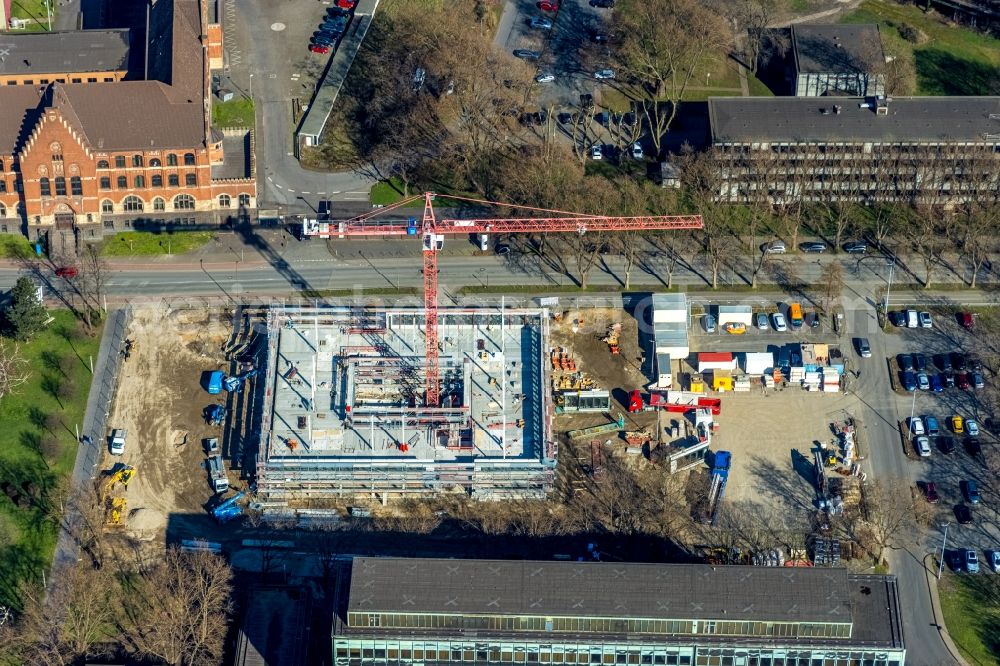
[(344, 413)]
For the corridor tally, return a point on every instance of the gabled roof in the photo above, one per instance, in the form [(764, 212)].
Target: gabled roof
[(61, 52), (18, 115)]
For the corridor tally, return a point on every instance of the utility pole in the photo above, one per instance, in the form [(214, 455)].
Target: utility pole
[(892, 265), (944, 545)]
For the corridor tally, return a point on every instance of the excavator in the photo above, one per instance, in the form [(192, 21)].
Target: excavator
[(115, 505)]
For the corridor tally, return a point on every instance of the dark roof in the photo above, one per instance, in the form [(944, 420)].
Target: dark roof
[(18, 115), (63, 52), (837, 48), (813, 119), (130, 115), (597, 589)]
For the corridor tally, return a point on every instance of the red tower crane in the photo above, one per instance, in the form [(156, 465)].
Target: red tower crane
[(433, 230)]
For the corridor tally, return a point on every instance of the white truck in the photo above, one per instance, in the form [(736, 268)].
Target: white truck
[(117, 441), (217, 474)]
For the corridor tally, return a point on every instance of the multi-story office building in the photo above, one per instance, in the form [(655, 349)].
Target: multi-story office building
[(923, 150), (135, 147), (443, 611)]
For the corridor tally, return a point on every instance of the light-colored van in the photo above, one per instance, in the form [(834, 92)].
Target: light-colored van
[(911, 319)]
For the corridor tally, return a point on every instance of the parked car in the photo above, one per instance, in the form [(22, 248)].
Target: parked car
[(605, 73), (856, 247), (971, 561), (972, 427), (993, 560), (541, 23), (905, 362), (923, 446), (549, 5), (912, 321), (960, 361), (971, 490), (963, 515), (603, 4), (931, 493), (932, 425), (973, 447), (774, 247), (937, 383), (920, 361), (949, 380), (946, 444), (345, 4), (909, 381), (709, 322), (975, 364), (778, 321), (923, 381), (966, 320), (760, 320), (736, 328), (925, 319), (545, 78), (957, 424), (978, 381), (813, 247), (917, 426), (864, 348), (597, 152), (897, 318), (67, 272), (527, 54), (962, 381), (943, 361), (319, 48), (637, 152)]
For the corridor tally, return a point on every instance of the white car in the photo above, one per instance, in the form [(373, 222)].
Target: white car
[(917, 426), (778, 321), (972, 427), (925, 320), (604, 74), (993, 559), (545, 78), (637, 153), (597, 152), (774, 247), (923, 447)]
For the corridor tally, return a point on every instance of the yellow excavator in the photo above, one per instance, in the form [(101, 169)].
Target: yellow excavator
[(115, 505)]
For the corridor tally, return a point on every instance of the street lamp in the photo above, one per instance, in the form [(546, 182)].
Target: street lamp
[(944, 545), (251, 86), (891, 263)]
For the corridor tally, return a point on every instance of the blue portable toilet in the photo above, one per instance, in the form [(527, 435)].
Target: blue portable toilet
[(214, 382), (411, 227)]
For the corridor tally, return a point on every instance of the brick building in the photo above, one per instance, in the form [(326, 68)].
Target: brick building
[(78, 159)]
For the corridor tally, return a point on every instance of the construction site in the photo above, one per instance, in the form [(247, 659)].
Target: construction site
[(345, 410)]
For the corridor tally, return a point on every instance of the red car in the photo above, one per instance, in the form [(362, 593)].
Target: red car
[(319, 48), (549, 5), (66, 272), (345, 4), (965, 319), (962, 381), (931, 493)]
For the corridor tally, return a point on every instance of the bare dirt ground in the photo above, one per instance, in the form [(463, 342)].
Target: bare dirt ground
[(160, 402)]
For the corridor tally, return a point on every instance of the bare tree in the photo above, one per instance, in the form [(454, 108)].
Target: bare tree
[(886, 508), (927, 237), (832, 283), (753, 17), (975, 231), (179, 609), (664, 45), (14, 367)]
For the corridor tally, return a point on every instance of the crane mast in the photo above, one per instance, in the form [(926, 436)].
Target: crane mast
[(432, 233)]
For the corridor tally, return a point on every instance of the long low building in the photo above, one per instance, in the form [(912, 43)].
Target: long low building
[(442, 611), (935, 150)]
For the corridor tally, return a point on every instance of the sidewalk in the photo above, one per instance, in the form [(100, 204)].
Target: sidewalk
[(932, 589)]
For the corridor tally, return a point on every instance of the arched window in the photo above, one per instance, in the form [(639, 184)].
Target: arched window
[(137, 160), (183, 202), (173, 180), (120, 161), (46, 187), (131, 203), (244, 200), (188, 159), (225, 201), (190, 179), (171, 160), (3, 210), (122, 182), (1, 165), (76, 186), (105, 183), (140, 182), (103, 164), (154, 162), (159, 204), (157, 180), (107, 206)]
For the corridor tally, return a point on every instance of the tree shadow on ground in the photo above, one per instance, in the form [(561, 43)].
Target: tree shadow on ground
[(941, 73)]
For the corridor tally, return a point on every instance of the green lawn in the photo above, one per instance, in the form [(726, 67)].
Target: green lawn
[(757, 87), (42, 415), (237, 112), (15, 246), (952, 61), (971, 606), (385, 193), (151, 243), (32, 9)]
